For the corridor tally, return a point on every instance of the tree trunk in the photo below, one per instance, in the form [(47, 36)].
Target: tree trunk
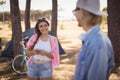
[(114, 27), (27, 15), (54, 18), (16, 26)]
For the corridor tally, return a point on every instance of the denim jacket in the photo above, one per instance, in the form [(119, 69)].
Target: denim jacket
[(96, 58)]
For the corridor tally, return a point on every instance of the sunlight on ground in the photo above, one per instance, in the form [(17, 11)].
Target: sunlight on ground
[(68, 35)]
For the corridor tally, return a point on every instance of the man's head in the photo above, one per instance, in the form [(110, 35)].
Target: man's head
[(92, 6), (86, 18), (87, 12)]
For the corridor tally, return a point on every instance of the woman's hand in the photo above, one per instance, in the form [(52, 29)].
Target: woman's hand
[(41, 52), (37, 51), (45, 53)]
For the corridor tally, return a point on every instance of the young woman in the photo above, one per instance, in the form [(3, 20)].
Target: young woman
[(43, 50)]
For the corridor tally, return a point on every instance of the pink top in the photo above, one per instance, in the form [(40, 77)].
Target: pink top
[(54, 49)]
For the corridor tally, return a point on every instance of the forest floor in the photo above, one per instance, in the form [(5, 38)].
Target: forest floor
[(68, 35)]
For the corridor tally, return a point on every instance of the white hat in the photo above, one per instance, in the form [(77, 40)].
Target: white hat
[(92, 6)]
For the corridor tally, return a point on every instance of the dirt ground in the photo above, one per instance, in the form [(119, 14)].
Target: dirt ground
[(68, 35)]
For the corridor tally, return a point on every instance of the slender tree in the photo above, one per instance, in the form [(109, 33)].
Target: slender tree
[(54, 18), (16, 26), (27, 15), (114, 27)]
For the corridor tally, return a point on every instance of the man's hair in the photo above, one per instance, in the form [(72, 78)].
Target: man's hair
[(90, 18)]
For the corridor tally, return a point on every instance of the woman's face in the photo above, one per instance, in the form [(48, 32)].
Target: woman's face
[(43, 27)]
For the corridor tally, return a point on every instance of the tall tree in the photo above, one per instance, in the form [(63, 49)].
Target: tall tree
[(27, 14), (114, 27), (16, 26), (54, 18)]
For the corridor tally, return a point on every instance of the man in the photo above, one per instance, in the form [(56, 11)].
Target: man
[(96, 57)]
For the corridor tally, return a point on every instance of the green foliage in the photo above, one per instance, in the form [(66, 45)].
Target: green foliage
[(61, 27), (6, 16), (2, 2), (9, 25), (34, 15), (47, 13), (105, 18), (105, 9)]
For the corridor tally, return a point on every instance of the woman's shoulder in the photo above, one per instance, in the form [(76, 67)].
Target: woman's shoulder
[(52, 37), (34, 35)]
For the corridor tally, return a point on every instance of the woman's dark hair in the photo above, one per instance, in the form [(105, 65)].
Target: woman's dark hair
[(37, 25), (37, 30)]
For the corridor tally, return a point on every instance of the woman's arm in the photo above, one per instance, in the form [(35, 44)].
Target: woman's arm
[(42, 52), (31, 52)]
